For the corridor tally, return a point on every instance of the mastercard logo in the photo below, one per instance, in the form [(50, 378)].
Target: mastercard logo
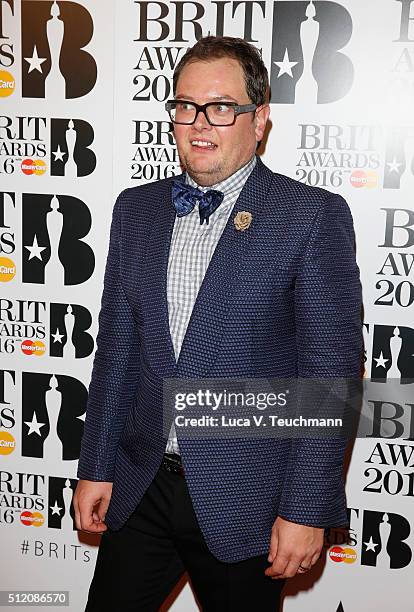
[(29, 347), (34, 519), (7, 84), (340, 554), (33, 166), (7, 269), (7, 443), (364, 178)]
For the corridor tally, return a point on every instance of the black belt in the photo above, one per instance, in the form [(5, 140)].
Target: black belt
[(172, 463)]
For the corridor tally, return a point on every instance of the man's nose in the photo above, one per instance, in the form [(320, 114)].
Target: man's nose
[(201, 122)]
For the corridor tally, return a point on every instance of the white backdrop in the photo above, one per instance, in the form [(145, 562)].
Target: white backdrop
[(82, 90)]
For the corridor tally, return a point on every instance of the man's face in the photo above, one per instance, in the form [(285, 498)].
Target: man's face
[(231, 147)]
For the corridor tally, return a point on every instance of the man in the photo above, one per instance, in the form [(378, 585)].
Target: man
[(258, 282)]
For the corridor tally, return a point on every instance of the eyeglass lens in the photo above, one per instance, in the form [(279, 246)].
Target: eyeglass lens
[(219, 114)]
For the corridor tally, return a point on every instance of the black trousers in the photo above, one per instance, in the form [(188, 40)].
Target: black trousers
[(138, 565)]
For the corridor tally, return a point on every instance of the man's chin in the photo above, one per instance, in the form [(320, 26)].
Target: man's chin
[(202, 172)]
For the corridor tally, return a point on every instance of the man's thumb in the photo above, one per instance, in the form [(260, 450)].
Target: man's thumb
[(103, 507)]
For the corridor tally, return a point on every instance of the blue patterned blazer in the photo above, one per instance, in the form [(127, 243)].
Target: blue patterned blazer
[(281, 299)]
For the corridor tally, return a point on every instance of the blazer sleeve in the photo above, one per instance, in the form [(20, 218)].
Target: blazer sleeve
[(329, 342), (115, 367)]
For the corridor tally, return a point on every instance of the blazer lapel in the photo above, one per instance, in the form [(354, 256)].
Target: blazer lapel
[(204, 331), (159, 346)]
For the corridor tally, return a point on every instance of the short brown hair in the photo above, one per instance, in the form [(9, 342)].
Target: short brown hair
[(216, 47)]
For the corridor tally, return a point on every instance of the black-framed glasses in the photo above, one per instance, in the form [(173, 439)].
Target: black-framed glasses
[(185, 112)]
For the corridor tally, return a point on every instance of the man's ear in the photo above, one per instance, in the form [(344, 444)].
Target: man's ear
[(261, 117)]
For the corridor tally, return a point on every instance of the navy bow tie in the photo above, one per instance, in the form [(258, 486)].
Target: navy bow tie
[(185, 197)]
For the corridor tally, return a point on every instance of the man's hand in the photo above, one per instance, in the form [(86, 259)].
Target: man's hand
[(292, 545), (88, 494)]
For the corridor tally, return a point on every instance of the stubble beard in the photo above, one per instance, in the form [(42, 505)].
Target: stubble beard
[(210, 176)]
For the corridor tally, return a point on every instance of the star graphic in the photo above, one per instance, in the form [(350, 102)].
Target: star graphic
[(286, 66), (59, 154), (55, 509), (35, 61), (394, 166), (371, 544), (81, 417), (381, 361), (35, 250), (34, 426), (57, 336)]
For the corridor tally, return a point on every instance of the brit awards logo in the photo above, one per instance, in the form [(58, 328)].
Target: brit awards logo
[(389, 353), (399, 159), (25, 143), (55, 63), (24, 329), (331, 155), (395, 275), (69, 337), (34, 500), (53, 249), (70, 152), (307, 62), (376, 538), (22, 498), (61, 514), (400, 91), (53, 413), (383, 538)]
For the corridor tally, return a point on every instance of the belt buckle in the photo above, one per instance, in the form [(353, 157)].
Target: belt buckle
[(173, 465)]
